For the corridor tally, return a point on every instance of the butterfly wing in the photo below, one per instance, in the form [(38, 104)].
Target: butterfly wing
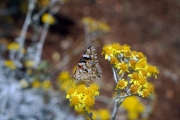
[(88, 67)]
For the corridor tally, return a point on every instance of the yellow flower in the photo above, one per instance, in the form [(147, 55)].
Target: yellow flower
[(132, 63), (89, 92), (114, 60), (70, 92), (94, 88), (10, 64), (134, 88), (123, 67), (84, 95), (140, 55), (145, 93), (90, 23), (14, 46), (122, 84), (101, 114), (36, 84), (117, 47), (64, 80), (134, 77), (48, 18), (63, 76), (29, 63), (134, 54), (133, 107), (46, 84), (142, 81), (64, 85), (105, 114), (75, 100), (87, 20), (81, 88), (108, 51), (141, 64), (143, 73), (104, 49), (89, 101), (127, 54), (94, 25), (152, 70), (150, 88), (126, 48), (104, 27)]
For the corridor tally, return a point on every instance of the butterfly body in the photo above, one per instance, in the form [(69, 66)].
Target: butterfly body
[(88, 68)]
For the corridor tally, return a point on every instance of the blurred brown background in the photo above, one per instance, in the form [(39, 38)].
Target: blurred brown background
[(150, 26)]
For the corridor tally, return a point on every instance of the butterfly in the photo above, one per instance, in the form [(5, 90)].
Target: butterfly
[(88, 68)]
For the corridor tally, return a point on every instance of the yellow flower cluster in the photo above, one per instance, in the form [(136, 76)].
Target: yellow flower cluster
[(134, 65), (48, 18), (95, 25), (29, 63), (10, 64), (81, 96), (14, 46), (46, 84), (64, 80), (133, 107)]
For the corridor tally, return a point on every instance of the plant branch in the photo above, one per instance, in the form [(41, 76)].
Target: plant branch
[(116, 105), (88, 114), (40, 45), (21, 39), (43, 37), (115, 75)]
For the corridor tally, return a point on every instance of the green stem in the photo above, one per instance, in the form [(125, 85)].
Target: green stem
[(118, 101), (116, 105), (88, 114), (115, 110)]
